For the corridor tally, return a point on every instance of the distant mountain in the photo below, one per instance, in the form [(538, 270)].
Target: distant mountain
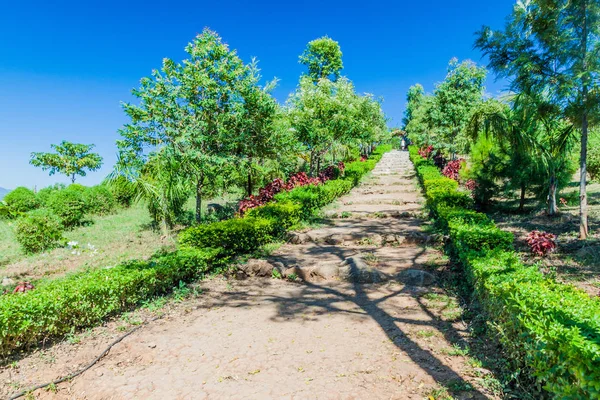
[(3, 192)]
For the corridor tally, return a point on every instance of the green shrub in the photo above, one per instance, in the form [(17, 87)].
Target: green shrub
[(99, 200), (39, 230), (69, 205), (234, 236), (286, 214), (547, 328), (85, 299), (122, 191), (43, 194), (20, 200)]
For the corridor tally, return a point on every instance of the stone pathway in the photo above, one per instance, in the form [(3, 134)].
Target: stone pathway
[(368, 322)]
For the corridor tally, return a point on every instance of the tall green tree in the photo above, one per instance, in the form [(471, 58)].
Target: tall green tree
[(323, 57), (455, 98), (70, 159), (414, 100), (192, 107), (421, 127), (264, 133), (552, 46)]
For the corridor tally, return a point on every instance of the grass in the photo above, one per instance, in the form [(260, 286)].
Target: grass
[(115, 238), (124, 235)]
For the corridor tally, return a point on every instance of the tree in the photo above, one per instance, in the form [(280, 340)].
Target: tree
[(70, 159), (323, 57), (534, 136), (552, 46), (414, 99), (455, 99), (421, 128), (262, 128), (193, 108)]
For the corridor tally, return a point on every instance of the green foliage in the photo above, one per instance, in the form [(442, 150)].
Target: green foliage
[(43, 194), (70, 159), (38, 231), (234, 236), (69, 205), (99, 200), (594, 156), (20, 200), (323, 57), (123, 190), (85, 299), (414, 100), (548, 328), (284, 213), (455, 99)]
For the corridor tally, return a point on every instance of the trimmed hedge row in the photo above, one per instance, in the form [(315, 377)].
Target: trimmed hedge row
[(64, 305), (550, 328)]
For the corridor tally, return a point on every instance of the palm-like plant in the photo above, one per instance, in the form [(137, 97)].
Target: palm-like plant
[(158, 182), (532, 132)]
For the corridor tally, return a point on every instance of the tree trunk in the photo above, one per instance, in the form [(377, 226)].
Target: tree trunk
[(522, 200), (552, 209), (318, 164), (164, 225), (199, 186), (583, 211), (311, 164), (249, 188), (73, 178)]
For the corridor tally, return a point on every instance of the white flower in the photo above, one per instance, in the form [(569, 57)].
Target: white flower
[(72, 245)]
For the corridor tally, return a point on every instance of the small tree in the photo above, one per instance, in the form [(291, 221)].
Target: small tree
[(70, 159), (552, 47), (455, 99), (323, 57)]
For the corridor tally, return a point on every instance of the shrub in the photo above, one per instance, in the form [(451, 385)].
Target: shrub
[(39, 230), (20, 200), (541, 243), (122, 190), (44, 194), (548, 328), (85, 299), (99, 200), (69, 205), (286, 214), (234, 236)]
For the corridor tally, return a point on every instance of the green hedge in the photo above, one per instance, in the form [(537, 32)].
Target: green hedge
[(551, 329), (64, 305), (60, 306)]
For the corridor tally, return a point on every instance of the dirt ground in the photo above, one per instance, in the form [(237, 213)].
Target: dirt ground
[(335, 335), (574, 262)]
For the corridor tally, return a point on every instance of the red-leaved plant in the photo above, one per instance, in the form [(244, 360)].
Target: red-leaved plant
[(541, 243), (268, 193), (452, 169), (471, 184), (23, 287), (425, 152)]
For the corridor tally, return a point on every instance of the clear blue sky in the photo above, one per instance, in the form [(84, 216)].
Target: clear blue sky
[(66, 65)]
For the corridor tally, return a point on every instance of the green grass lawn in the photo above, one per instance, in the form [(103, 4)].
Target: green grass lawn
[(124, 235), (106, 241)]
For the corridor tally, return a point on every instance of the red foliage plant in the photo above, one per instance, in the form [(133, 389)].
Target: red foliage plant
[(23, 287), (363, 159), (452, 168), (267, 193), (471, 184), (425, 152), (541, 243)]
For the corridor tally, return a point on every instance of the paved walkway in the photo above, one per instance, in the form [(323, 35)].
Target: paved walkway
[(360, 327)]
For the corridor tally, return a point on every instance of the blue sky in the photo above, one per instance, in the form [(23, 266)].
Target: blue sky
[(65, 66)]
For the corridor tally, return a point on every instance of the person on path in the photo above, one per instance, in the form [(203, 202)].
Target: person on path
[(403, 143)]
